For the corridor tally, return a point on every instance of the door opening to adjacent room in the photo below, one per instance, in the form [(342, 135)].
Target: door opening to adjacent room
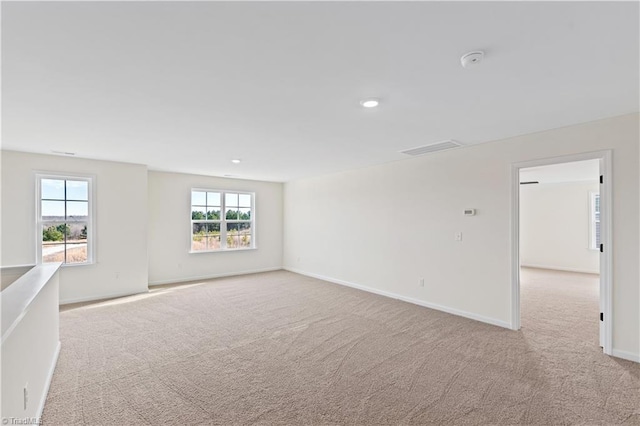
[(561, 250)]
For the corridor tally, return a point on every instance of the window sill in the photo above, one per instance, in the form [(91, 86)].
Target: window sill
[(75, 265), (222, 251)]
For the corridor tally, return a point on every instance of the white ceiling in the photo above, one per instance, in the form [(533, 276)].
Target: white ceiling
[(577, 171), (187, 86)]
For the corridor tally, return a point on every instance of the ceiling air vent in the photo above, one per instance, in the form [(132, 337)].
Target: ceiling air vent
[(438, 146)]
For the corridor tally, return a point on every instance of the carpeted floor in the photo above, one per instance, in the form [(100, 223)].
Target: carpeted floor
[(280, 348)]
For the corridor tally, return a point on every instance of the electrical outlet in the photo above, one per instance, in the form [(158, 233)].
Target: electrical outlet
[(458, 236), (421, 282), (117, 275), (25, 395)]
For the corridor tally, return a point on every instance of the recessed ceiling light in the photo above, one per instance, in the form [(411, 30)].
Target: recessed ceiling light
[(236, 161), (63, 152), (370, 103)]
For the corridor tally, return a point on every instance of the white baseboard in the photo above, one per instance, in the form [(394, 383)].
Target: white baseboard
[(625, 355), (101, 297), (210, 277), (52, 368), (429, 305), (560, 268)]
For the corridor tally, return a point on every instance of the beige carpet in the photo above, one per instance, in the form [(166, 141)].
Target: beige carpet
[(280, 348)]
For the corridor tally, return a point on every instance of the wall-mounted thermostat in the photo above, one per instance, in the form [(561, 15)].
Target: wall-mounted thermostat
[(469, 212)]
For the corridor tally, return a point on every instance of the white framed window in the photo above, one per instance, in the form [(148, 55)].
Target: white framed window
[(222, 220), (64, 219), (594, 221)]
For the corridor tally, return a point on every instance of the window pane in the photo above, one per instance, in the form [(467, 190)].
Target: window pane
[(231, 200), (232, 241), (245, 200), (52, 210), (231, 214), (213, 243), (213, 199), (245, 214), (232, 235), (53, 239), (213, 229), (77, 210), (198, 241), (52, 189), (198, 213), (214, 214), (244, 235), (84, 231), (55, 232), (77, 232), (76, 253), (52, 252), (198, 198), (77, 190), (199, 228)]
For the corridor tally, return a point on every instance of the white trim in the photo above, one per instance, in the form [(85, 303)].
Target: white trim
[(223, 251), (625, 355), (101, 297), (210, 277), (606, 258), (52, 368), (606, 304), (418, 302), (515, 247), (559, 268)]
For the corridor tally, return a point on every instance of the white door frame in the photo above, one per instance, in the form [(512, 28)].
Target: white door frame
[(606, 305)]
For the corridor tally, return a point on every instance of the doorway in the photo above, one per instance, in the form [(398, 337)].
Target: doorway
[(561, 244)]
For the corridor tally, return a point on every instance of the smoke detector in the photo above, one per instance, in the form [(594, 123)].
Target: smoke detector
[(472, 58)]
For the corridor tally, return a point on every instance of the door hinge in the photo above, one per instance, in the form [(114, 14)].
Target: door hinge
[(601, 248), (601, 316), (601, 179)]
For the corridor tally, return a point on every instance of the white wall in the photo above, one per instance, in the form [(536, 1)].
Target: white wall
[(554, 226), (120, 228), (170, 233), (387, 226), (30, 342), (142, 226), (9, 275)]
